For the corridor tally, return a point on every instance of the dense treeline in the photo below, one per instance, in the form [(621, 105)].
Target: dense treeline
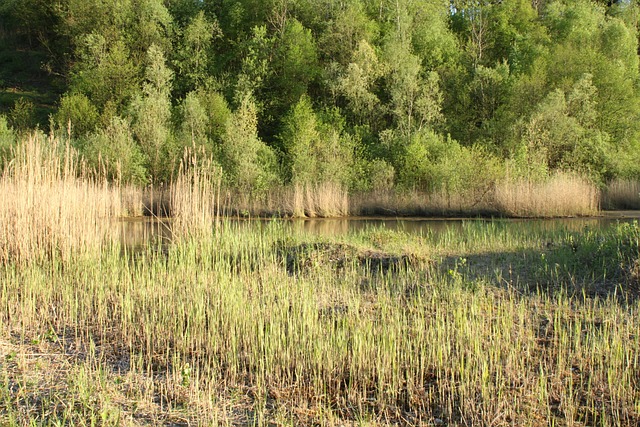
[(367, 94)]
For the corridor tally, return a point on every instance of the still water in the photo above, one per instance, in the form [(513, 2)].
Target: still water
[(139, 231)]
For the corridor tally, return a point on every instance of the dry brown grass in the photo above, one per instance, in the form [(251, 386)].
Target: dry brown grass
[(325, 200), (621, 194), (418, 203), (50, 208), (194, 198), (133, 201), (561, 195)]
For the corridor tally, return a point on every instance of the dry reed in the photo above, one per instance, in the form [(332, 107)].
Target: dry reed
[(561, 195), (325, 200), (132, 201), (621, 194), (419, 203), (50, 208), (194, 198)]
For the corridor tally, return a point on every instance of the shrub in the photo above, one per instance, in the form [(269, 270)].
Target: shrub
[(77, 111), (22, 115), (7, 141), (248, 163), (113, 151)]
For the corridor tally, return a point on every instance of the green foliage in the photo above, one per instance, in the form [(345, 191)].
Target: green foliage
[(430, 162), (433, 41), (295, 65), (507, 78), (22, 115), (7, 141), (217, 111), (105, 73), (77, 113), (356, 83), (152, 115), (349, 26), (193, 121), (247, 162), (315, 152), (373, 175), (202, 118), (255, 63), (114, 152), (195, 53), (301, 140), (563, 127), (415, 98)]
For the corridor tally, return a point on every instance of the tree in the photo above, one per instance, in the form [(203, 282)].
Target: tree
[(248, 163), (105, 73), (356, 83), (152, 114), (112, 150), (563, 127), (194, 56), (415, 98), (77, 113)]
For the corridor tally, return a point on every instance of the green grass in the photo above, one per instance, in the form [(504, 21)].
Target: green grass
[(486, 325)]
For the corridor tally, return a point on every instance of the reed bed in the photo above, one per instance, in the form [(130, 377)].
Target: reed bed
[(133, 201), (621, 194), (420, 203), (561, 195), (324, 200), (194, 198), (220, 331), (49, 207)]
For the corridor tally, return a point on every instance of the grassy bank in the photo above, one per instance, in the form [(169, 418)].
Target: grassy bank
[(249, 327)]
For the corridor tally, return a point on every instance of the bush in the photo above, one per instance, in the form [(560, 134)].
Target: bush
[(77, 111), (113, 151), (248, 164), (7, 141), (22, 115)]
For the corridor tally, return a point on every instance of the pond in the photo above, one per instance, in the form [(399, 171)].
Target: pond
[(140, 231)]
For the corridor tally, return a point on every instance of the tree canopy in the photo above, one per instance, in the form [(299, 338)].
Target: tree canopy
[(365, 93)]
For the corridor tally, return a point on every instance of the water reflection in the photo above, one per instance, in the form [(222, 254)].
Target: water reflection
[(142, 231)]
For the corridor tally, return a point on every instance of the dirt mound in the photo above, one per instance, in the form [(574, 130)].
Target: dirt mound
[(307, 256)]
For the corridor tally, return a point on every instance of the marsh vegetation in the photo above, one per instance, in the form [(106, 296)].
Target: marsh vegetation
[(234, 325)]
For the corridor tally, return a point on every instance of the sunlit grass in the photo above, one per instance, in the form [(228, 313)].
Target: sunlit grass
[(219, 330)]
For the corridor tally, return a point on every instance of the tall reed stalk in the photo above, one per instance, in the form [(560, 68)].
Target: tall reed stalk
[(621, 194), (323, 200), (194, 198), (50, 207)]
